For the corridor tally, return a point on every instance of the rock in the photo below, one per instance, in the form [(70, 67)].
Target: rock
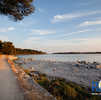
[(26, 84), (81, 62), (98, 66), (77, 65), (31, 69), (12, 57)]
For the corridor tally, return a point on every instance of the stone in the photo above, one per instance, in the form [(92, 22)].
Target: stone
[(98, 66)]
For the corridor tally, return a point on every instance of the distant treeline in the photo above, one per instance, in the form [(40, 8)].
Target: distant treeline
[(77, 53), (9, 48)]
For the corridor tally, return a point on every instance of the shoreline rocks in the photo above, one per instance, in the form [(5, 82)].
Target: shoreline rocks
[(33, 91), (79, 72), (98, 66)]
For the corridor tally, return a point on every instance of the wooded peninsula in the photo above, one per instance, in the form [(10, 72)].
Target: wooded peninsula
[(7, 47)]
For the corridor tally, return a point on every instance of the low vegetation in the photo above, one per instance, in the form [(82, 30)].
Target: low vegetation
[(61, 89)]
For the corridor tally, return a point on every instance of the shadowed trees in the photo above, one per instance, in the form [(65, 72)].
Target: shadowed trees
[(16, 9), (28, 51), (0, 46), (9, 48)]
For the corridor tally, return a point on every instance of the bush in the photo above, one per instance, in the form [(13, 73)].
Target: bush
[(63, 90)]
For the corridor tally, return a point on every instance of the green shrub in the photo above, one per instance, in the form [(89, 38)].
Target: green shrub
[(63, 90)]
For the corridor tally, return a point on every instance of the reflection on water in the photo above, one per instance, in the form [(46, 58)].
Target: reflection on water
[(66, 57)]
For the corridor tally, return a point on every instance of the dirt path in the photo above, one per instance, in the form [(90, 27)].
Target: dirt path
[(9, 87)]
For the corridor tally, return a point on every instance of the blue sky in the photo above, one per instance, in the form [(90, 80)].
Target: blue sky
[(57, 26)]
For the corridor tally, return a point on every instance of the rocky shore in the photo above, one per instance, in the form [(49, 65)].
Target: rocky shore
[(80, 72), (49, 86), (32, 90)]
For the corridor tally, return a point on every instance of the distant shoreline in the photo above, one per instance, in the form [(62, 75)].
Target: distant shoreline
[(77, 53)]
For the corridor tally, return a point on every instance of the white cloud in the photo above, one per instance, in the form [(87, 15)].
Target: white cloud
[(78, 32), (42, 32), (11, 28), (62, 45), (88, 23), (31, 42), (64, 17), (82, 31), (7, 29)]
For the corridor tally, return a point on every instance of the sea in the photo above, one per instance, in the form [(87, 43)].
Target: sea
[(65, 57), (64, 66)]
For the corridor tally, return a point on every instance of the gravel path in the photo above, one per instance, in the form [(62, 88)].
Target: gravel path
[(9, 87)]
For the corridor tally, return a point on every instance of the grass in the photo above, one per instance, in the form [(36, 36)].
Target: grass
[(63, 90)]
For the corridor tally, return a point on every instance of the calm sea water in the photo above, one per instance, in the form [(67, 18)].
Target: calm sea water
[(65, 57)]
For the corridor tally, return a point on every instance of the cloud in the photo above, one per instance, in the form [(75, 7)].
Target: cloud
[(88, 23), (64, 17), (31, 42), (7, 29), (11, 28), (42, 32), (60, 45), (30, 39), (65, 35), (78, 32), (63, 45)]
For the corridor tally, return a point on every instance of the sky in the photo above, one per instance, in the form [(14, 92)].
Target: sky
[(57, 26)]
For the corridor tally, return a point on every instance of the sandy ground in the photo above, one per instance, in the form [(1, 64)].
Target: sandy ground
[(9, 87)]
